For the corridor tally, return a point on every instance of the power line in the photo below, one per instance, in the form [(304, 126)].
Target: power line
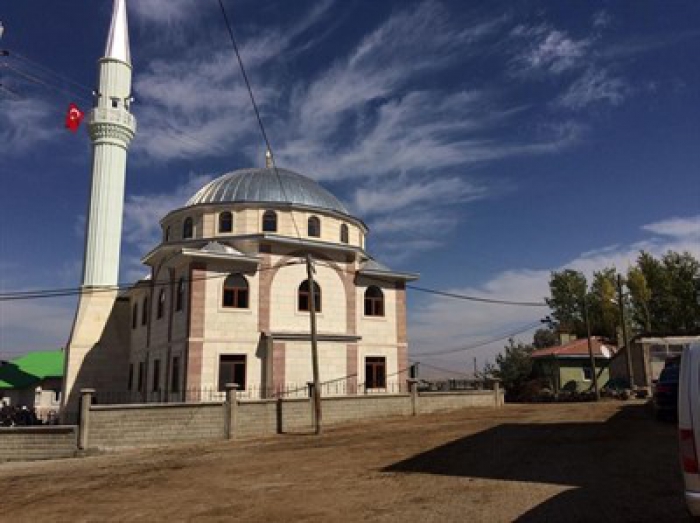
[(480, 344), (46, 70), (47, 84), (229, 27), (74, 291), (478, 298)]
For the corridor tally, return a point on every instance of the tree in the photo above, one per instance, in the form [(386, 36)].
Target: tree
[(666, 293), (568, 289), (604, 312), (514, 367), (545, 338), (640, 296)]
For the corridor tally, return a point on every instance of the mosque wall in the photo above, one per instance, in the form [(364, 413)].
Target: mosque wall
[(332, 363), (284, 313)]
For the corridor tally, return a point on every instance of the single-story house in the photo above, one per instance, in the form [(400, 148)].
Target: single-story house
[(34, 380), (567, 367)]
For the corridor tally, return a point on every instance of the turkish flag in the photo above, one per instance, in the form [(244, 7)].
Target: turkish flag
[(73, 117)]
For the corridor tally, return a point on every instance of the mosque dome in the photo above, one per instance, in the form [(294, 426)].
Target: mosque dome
[(264, 186)]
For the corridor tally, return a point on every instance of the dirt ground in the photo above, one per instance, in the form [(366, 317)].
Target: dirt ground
[(575, 462)]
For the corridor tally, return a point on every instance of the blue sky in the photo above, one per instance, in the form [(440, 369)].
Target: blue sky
[(484, 143)]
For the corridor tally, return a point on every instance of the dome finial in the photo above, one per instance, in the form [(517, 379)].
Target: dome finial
[(268, 159)]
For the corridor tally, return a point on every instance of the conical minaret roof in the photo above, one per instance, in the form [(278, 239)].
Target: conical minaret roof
[(118, 40)]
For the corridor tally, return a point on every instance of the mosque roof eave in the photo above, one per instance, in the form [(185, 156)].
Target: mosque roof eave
[(392, 275)]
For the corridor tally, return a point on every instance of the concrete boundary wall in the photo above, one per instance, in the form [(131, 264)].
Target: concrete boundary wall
[(35, 443), (113, 427)]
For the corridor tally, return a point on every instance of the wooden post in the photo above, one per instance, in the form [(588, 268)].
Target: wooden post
[(84, 426), (413, 388), (497, 392), (314, 346), (230, 411)]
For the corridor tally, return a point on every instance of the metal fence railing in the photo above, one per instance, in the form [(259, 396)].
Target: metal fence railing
[(343, 387)]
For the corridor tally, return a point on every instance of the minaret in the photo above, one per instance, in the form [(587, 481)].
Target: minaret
[(98, 347), (112, 128)]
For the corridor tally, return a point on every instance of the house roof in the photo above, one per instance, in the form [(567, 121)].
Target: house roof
[(577, 349), (27, 370)]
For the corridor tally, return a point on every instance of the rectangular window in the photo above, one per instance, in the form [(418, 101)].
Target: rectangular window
[(236, 298), (587, 374), (175, 380), (131, 377), (232, 369), (375, 372), (156, 375)]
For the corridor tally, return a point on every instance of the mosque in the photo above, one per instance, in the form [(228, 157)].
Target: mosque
[(228, 297)]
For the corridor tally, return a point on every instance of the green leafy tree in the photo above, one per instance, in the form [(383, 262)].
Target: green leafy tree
[(603, 308), (666, 297), (514, 366), (545, 338), (568, 289), (640, 297)]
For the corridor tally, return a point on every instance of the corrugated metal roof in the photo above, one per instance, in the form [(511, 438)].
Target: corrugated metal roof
[(263, 185)]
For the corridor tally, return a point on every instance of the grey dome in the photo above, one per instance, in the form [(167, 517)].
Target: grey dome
[(263, 185)]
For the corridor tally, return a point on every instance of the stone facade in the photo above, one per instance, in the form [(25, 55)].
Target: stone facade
[(269, 331)]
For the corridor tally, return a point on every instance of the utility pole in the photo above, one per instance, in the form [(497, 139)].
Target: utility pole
[(590, 349), (628, 349), (314, 345)]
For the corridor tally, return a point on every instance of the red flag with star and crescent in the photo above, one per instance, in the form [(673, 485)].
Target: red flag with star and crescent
[(73, 117)]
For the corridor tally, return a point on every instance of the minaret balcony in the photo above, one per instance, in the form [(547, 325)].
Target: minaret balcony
[(112, 116)]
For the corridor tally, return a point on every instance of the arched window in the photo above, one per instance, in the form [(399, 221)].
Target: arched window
[(144, 312), (235, 292), (161, 303), (305, 296), (166, 235), (344, 233), (374, 301), (187, 229), (180, 296), (135, 316), (314, 227), (226, 222), (269, 223)]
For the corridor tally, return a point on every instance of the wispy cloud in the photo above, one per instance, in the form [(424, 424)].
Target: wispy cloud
[(164, 12), (548, 50), (25, 123), (595, 85), (685, 227)]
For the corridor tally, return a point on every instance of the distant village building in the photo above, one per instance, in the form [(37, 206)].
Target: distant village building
[(227, 298), (34, 381), (567, 367)]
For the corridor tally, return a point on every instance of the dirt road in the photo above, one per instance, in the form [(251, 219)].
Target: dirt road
[(576, 462)]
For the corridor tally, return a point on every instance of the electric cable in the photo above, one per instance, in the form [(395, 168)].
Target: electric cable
[(229, 27), (479, 344)]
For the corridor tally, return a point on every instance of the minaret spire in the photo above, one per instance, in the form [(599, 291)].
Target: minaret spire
[(118, 40)]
